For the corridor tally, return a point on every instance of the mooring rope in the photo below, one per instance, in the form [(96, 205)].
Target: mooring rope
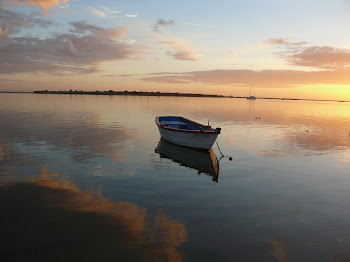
[(222, 155)]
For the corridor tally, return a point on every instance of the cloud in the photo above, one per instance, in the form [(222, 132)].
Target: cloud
[(104, 12), (321, 57), (83, 27), (109, 11), (45, 5), (12, 23), (232, 53), (162, 22), (132, 15), (263, 78), (127, 75), (179, 50), (78, 52), (4, 36), (108, 75), (168, 43), (169, 79), (12, 80), (283, 41), (183, 55), (63, 6)]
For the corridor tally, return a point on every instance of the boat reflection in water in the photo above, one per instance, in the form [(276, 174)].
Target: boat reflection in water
[(204, 161)]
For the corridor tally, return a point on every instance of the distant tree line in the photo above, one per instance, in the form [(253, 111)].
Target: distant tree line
[(130, 93)]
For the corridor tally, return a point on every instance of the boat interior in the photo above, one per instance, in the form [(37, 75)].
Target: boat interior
[(177, 122)]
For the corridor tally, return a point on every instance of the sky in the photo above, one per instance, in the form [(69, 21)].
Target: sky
[(282, 48)]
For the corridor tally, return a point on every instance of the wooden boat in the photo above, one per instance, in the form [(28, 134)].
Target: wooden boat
[(203, 162), (184, 132)]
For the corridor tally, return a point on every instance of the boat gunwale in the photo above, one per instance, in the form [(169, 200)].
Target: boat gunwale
[(202, 131)]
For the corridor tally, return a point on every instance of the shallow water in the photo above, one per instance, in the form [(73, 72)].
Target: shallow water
[(87, 177)]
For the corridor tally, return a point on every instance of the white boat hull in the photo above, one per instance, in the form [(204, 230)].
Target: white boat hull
[(199, 140)]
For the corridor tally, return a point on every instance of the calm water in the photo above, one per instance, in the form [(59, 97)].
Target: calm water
[(86, 178)]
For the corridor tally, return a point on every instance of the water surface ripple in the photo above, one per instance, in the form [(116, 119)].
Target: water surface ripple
[(87, 178)]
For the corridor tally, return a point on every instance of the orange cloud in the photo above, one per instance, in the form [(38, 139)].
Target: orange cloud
[(45, 5)]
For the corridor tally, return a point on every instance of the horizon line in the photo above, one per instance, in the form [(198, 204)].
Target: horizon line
[(158, 93)]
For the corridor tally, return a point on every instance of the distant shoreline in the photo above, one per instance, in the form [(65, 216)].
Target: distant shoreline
[(124, 93), (143, 93)]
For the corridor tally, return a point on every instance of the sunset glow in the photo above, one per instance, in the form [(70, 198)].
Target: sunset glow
[(282, 48)]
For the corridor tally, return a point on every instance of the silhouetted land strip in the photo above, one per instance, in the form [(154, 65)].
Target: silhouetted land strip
[(143, 93), (124, 93)]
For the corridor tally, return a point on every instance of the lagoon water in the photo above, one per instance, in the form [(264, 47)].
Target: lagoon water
[(86, 178)]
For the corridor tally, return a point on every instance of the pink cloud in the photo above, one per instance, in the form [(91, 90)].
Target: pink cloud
[(283, 41), (323, 57)]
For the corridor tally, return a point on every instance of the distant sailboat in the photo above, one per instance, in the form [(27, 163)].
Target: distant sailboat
[(251, 97)]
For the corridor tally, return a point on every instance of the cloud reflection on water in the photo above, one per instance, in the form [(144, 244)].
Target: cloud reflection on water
[(268, 128), (80, 134), (51, 219), (280, 251)]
